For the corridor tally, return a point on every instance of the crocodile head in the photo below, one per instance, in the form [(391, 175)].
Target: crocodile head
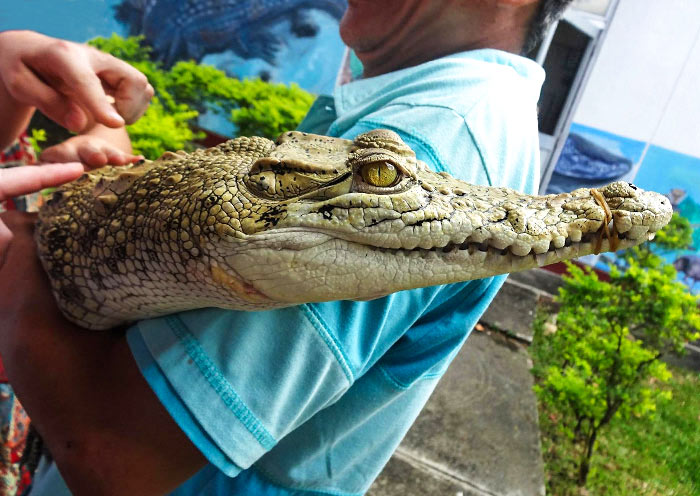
[(252, 224), (342, 219)]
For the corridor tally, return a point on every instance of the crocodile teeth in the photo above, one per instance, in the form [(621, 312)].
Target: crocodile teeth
[(501, 243), (541, 246), (588, 238), (520, 248), (449, 247), (637, 232), (623, 223)]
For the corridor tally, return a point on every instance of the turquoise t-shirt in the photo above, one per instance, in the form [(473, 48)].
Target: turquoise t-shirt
[(314, 399)]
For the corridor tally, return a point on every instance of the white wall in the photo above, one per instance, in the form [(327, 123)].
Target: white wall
[(599, 7), (646, 82)]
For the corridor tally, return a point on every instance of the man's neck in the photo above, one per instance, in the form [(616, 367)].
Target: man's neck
[(425, 33)]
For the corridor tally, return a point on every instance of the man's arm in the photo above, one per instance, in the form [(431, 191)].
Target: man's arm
[(83, 391)]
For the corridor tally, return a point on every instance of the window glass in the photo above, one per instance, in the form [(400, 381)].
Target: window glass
[(599, 7)]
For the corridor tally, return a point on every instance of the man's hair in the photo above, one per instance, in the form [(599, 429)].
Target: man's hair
[(548, 12)]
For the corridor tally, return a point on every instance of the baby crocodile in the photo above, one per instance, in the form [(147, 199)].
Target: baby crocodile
[(253, 224)]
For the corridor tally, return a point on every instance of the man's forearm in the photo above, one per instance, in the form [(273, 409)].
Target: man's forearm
[(102, 424)]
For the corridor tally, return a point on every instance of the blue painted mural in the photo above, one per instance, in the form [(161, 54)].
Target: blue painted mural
[(190, 29), (592, 157)]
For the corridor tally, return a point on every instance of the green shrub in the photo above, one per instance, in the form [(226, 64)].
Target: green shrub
[(159, 130), (37, 137), (600, 361), (188, 89)]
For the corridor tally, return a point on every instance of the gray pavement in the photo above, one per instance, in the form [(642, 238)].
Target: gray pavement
[(478, 435)]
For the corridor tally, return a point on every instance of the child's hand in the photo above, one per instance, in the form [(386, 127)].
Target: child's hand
[(90, 150), (69, 82)]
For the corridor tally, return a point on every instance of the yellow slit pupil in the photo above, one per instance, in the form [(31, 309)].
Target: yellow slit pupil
[(381, 174)]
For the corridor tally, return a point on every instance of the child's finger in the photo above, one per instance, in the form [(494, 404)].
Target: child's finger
[(92, 155), (131, 89), (114, 156), (82, 84), (25, 86), (63, 152)]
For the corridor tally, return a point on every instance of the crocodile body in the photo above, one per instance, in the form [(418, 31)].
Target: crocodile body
[(253, 224)]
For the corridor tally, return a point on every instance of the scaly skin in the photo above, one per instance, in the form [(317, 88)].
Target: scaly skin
[(252, 224)]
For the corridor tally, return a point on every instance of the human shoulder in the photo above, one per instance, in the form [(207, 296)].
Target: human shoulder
[(456, 112), (457, 83)]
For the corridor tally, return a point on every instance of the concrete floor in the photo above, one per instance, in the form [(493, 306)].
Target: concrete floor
[(478, 435)]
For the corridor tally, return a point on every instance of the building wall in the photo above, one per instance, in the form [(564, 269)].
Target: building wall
[(638, 116), (647, 74)]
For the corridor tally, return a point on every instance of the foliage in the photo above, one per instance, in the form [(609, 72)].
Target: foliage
[(130, 49), (677, 235), (159, 130), (254, 106), (188, 89), (663, 451), (643, 456), (602, 363), (38, 136)]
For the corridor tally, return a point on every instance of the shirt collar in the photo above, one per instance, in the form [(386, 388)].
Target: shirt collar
[(355, 96)]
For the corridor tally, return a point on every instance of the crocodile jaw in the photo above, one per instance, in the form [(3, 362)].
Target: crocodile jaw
[(343, 254), (327, 268), (337, 250)]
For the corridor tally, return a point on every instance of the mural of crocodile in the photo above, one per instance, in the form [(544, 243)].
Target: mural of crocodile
[(191, 29), (689, 265)]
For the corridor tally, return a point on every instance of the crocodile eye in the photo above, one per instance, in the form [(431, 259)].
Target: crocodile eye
[(380, 174)]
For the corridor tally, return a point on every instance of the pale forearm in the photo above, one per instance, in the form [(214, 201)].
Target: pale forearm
[(15, 117)]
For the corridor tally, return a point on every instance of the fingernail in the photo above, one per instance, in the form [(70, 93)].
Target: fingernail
[(115, 115)]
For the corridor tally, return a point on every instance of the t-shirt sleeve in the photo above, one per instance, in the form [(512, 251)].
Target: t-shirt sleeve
[(237, 382), (492, 142)]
